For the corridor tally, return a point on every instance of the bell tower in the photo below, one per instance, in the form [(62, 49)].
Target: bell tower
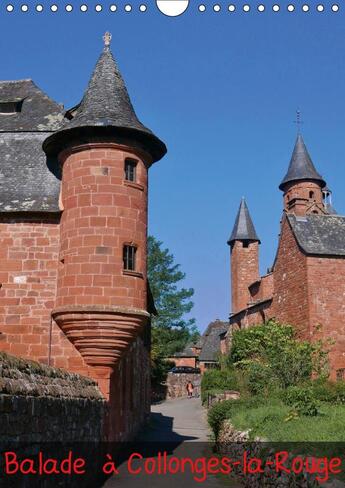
[(302, 184), (105, 153), (244, 249)]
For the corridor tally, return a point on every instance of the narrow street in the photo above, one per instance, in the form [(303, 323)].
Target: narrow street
[(182, 418), (178, 427)]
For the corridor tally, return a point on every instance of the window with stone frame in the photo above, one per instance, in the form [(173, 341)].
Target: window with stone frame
[(8, 107), (340, 374), (130, 170), (129, 257)]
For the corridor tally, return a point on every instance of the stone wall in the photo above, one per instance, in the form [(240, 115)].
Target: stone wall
[(184, 361), (244, 271), (29, 249), (327, 307), (290, 301), (39, 403), (29, 259), (234, 443), (48, 410), (177, 382)]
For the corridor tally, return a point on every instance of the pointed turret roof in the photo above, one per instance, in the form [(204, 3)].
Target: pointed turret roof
[(106, 109), (301, 166), (244, 229)]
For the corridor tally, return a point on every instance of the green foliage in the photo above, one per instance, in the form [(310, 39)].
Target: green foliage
[(227, 408), (302, 400), (170, 330), (270, 353), (260, 377), (268, 420), (330, 392), (217, 414), (159, 370), (254, 341), (217, 380)]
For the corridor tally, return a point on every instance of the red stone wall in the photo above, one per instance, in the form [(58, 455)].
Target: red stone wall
[(102, 212), (244, 271), (327, 305), (28, 275), (266, 287), (291, 300), (130, 392), (29, 250), (301, 196), (184, 361), (263, 289), (28, 257)]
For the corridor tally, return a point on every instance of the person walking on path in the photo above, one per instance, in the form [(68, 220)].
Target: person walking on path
[(190, 389)]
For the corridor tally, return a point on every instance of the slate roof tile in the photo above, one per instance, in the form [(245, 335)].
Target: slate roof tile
[(38, 111), (301, 166), (211, 345), (243, 229), (106, 108), (319, 234)]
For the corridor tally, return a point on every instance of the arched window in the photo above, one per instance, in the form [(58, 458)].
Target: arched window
[(311, 194)]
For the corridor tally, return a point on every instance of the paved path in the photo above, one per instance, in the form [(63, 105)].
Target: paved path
[(182, 419), (178, 427)]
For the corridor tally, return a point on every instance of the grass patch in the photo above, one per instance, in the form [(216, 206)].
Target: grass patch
[(268, 421)]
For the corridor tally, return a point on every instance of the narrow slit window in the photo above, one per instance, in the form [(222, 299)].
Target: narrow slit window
[(130, 170), (129, 253)]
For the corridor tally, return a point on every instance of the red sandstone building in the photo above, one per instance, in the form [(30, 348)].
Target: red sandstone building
[(204, 353), (73, 225), (306, 284)]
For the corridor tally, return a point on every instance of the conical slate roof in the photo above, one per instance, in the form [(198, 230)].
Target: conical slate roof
[(244, 229), (106, 109), (301, 166)]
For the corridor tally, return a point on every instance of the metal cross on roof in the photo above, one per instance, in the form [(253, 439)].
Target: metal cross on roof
[(298, 120), (107, 39)]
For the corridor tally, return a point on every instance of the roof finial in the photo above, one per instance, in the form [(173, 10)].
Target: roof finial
[(298, 121), (107, 39)]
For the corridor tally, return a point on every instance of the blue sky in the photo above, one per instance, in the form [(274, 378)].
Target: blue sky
[(221, 90)]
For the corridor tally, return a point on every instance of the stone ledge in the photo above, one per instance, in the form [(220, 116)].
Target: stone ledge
[(24, 377), (99, 309)]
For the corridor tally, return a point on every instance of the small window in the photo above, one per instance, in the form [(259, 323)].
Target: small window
[(245, 244), (10, 107), (130, 169), (340, 374), (311, 194), (129, 253)]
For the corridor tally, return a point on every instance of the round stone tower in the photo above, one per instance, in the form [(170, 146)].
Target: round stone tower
[(302, 184), (105, 153), (244, 245)]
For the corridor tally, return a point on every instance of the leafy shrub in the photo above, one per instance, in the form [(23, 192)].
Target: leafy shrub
[(330, 392), (216, 380), (227, 408), (217, 414), (291, 361), (302, 400), (260, 377), (252, 342), (159, 370)]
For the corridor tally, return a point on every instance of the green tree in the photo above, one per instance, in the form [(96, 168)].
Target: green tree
[(170, 330)]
